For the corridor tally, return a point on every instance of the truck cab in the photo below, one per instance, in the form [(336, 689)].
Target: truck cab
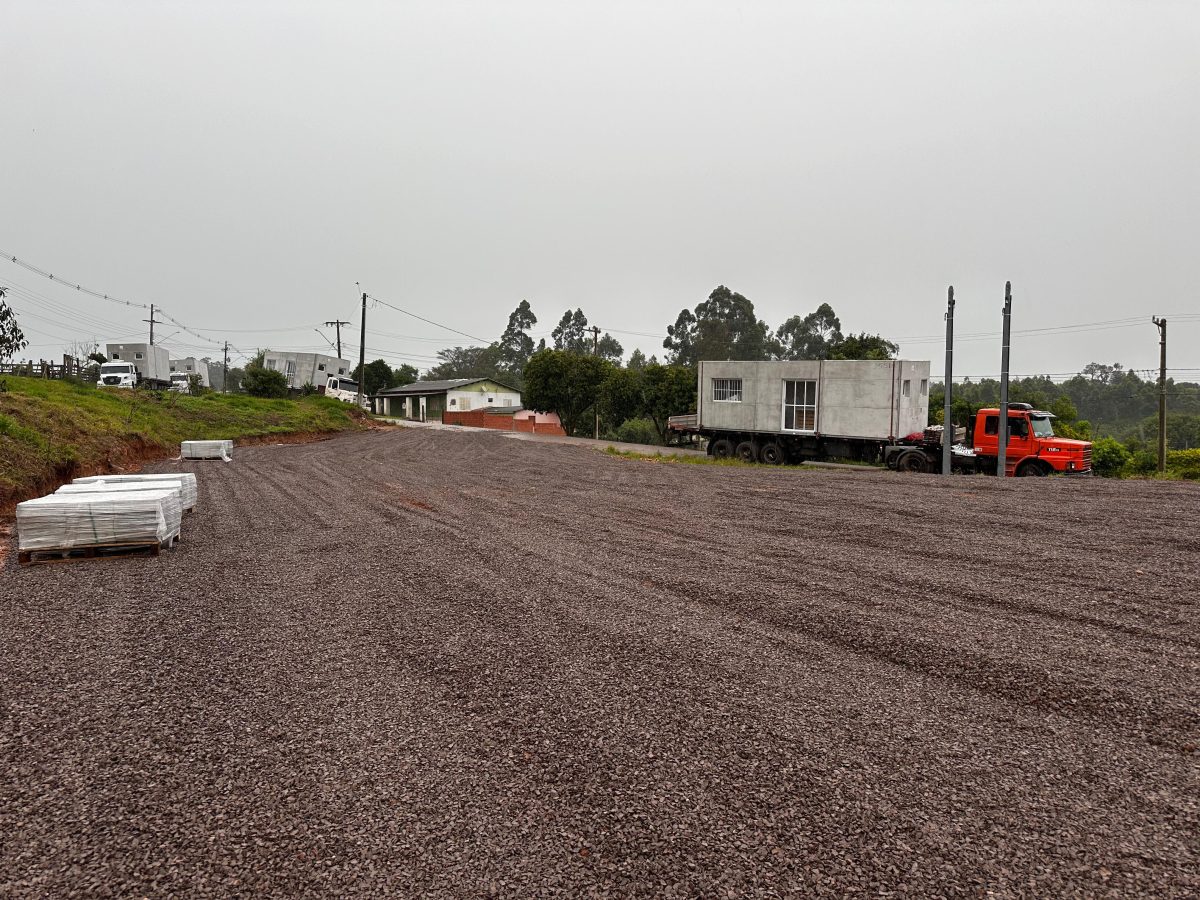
[(344, 389), (179, 382), (1033, 449), (117, 374)]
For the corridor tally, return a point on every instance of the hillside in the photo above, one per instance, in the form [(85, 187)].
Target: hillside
[(52, 431)]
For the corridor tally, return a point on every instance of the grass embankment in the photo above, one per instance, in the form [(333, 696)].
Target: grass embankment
[(52, 431)]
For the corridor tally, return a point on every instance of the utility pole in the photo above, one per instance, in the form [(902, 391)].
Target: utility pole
[(151, 321), (947, 420), (1002, 425), (1162, 393), (225, 376), (362, 352), (595, 330), (338, 326)]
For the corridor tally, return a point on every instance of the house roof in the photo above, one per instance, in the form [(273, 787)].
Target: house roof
[(436, 387)]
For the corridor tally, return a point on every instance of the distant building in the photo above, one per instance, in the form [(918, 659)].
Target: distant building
[(305, 368), (424, 400)]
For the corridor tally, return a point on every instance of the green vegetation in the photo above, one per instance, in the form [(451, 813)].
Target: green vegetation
[(691, 459), (51, 430)]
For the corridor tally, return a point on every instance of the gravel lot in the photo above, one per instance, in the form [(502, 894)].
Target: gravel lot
[(455, 664)]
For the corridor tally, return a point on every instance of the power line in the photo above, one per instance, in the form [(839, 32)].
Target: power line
[(427, 321)]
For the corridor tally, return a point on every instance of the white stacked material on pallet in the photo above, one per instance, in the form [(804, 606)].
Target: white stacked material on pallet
[(101, 488), (186, 480), (113, 518), (207, 450)]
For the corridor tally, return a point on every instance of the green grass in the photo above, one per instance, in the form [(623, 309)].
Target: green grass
[(51, 430), (690, 459)]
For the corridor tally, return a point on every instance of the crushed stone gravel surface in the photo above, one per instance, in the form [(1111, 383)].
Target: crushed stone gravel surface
[(430, 663)]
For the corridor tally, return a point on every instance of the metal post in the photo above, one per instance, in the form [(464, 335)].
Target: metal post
[(362, 352), (947, 420), (1002, 425), (1162, 393), (595, 402)]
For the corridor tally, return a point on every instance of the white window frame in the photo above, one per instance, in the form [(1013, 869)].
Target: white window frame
[(730, 387), (783, 406)]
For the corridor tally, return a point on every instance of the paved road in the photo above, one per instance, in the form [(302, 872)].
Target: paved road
[(434, 663)]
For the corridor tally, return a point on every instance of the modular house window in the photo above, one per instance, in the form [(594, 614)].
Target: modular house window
[(728, 390), (906, 388), (799, 405), (137, 356), (924, 386), (320, 367)]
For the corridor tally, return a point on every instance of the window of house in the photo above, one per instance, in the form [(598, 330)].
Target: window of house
[(320, 367), (799, 405), (453, 402), (727, 390), (341, 371), (137, 356), (270, 364), (906, 388), (290, 374), (491, 399), (116, 356), (924, 387)]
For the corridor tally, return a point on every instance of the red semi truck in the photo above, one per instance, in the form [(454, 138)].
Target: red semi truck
[(1033, 448)]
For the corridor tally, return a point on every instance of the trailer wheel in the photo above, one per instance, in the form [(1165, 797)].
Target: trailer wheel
[(722, 448), (1031, 470), (912, 461), (772, 454), (746, 451)]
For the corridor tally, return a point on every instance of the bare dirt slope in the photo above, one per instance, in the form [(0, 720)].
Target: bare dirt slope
[(422, 663)]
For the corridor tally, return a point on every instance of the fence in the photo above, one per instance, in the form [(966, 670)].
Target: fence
[(481, 418), (69, 368)]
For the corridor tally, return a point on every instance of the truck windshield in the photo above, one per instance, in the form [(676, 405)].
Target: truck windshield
[(115, 368), (1042, 427)]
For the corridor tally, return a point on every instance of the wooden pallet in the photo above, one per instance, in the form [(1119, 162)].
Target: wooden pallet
[(93, 551)]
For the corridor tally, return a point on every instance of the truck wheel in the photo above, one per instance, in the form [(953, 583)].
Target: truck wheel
[(722, 448), (912, 461), (747, 452), (772, 454), (1032, 470)]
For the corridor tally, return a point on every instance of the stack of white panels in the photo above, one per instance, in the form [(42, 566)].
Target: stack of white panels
[(207, 450), (115, 518), (80, 489), (186, 481)]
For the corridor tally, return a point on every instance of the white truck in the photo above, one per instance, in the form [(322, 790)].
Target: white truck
[(344, 389), (183, 369), (131, 365)]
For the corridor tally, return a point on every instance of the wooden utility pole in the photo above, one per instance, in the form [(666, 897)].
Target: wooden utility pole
[(595, 330), (151, 321), (338, 326), (225, 376), (1162, 393)]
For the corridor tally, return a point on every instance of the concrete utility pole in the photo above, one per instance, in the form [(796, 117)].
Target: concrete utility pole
[(1002, 425), (362, 352), (947, 421), (151, 321), (338, 326), (595, 330), (225, 375), (1162, 393)]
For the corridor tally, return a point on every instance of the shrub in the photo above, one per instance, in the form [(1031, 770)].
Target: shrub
[(1109, 457), (260, 382), (1184, 464), (1141, 463), (638, 431)]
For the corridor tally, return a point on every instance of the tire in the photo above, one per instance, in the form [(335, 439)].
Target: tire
[(1031, 470), (746, 452), (722, 448), (772, 454), (912, 461)]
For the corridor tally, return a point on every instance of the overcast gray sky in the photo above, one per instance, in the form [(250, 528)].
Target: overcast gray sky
[(244, 164)]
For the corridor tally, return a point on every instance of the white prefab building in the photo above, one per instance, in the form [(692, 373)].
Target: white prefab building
[(305, 368), (425, 400)]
